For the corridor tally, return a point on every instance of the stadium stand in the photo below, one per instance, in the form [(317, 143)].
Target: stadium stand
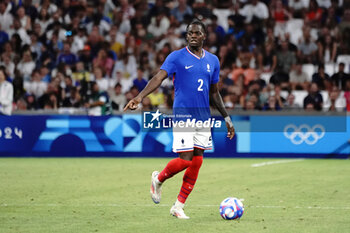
[(42, 42)]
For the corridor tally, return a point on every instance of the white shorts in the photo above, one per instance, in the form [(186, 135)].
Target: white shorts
[(186, 141)]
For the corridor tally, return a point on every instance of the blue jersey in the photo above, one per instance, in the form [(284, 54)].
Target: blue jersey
[(192, 77)]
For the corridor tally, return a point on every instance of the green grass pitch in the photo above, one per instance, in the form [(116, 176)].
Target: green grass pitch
[(112, 195)]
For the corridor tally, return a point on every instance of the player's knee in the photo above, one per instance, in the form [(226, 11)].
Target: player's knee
[(186, 155)]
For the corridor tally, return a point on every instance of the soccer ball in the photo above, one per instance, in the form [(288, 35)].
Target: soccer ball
[(231, 208)]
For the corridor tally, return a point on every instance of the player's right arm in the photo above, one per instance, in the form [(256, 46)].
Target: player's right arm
[(153, 84)]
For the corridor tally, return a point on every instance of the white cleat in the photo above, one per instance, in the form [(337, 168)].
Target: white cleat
[(178, 212), (156, 188)]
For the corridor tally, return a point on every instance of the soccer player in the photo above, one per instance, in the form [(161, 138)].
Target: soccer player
[(195, 75)]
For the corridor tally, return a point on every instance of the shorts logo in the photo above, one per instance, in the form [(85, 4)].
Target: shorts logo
[(182, 142), (304, 133)]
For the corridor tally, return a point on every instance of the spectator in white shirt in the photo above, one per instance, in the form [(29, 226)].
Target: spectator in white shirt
[(159, 25), (10, 66), (51, 7), (307, 49), (79, 40), (35, 46), (255, 9), (36, 86), (297, 4), (298, 78), (44, 19), (118, 98), (5, 17), (127, 9), (100, 79), (24, 19), (125, 71), (108, 8), (6, 94), (324, 3), (115, 36), (172, 38), (335, 101), (18, 29), (26, 65)]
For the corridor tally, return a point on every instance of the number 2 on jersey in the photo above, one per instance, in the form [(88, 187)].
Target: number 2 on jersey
[(200, 84)]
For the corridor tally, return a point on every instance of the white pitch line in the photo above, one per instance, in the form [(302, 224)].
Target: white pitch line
[(168, 205), (276, 162)]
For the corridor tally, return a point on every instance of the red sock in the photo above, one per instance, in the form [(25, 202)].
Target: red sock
[(172, 168), (190, 178)]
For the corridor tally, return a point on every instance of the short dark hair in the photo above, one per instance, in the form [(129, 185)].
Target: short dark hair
[(3, 69), (67, 76), (197, 22)]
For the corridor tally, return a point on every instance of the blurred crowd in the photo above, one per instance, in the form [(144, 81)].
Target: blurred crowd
[(97, 55)]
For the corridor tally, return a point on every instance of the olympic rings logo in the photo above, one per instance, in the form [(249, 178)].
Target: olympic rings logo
[(304, 133)]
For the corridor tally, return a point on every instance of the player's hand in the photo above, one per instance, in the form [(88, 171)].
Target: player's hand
[(230, 128), (133, 104)]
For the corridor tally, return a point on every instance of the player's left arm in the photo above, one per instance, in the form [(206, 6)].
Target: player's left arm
[(219, 104)]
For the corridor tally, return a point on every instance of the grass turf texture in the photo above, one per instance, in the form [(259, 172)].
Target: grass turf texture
[(112, 195)]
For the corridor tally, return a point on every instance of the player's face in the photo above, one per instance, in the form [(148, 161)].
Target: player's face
[(195, 35)]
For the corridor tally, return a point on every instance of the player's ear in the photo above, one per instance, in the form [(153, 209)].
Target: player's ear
[(186, 36), (204, 34)]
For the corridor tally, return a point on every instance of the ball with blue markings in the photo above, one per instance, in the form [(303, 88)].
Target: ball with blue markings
[(231, 208)]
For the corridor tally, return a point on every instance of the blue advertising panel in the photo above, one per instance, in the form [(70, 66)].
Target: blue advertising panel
[(299, 134), (62, 136), (125, 136)]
